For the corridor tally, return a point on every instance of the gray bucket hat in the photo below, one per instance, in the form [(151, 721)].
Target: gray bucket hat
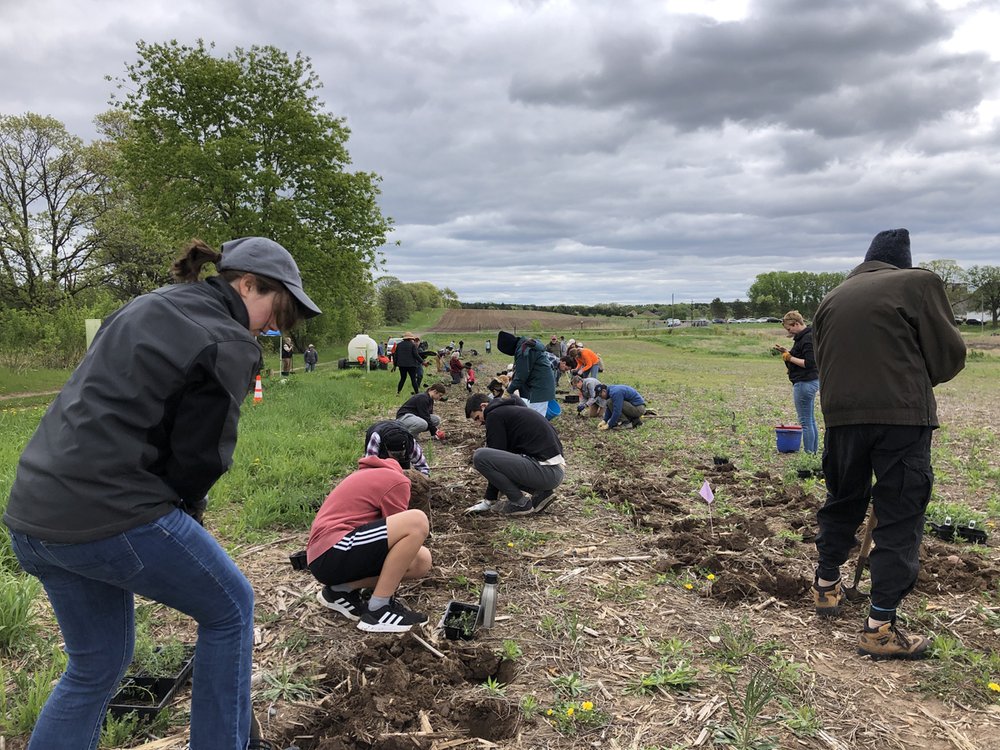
[(266, 257)]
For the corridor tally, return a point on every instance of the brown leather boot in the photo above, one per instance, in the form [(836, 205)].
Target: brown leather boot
[(889, 641), (827, 599)]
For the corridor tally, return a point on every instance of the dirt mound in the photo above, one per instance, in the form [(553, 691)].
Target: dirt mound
[(397, 694)]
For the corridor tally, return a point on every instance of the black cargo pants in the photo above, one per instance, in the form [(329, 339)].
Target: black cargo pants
[(900, 458)]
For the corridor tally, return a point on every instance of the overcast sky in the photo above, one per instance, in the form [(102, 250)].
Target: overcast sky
[(605, 150)]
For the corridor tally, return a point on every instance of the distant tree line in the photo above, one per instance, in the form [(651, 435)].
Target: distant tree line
[(774, 293), (398, 300)]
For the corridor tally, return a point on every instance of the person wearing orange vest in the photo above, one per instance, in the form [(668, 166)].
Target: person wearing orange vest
[(581, 361)]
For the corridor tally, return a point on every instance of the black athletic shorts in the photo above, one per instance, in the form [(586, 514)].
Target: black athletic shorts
[(358, 555)]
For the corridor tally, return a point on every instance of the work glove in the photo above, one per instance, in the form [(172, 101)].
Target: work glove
[(581, 407), (439, 435), (603, 426), (786, 356)]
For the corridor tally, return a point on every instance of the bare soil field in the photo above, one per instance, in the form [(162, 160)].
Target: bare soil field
[(640, 622), (491, 321), (631, 618)]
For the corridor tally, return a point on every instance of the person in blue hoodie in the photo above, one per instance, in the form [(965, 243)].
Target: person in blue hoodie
[(533, 378), (622, 401)]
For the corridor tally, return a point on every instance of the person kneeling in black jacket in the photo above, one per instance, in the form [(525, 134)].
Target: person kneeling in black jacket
[(522, 453)]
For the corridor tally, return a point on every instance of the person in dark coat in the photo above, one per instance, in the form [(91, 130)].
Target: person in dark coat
[(522, 453), (417, 414), (408, 360), (110, 490), (533, 378), (884, 338), (802, 371)]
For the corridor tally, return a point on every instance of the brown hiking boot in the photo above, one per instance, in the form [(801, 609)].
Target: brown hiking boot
[(827, 599), (889, 641)]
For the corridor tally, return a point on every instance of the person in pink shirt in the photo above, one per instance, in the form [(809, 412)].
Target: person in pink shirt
[(365, 536)]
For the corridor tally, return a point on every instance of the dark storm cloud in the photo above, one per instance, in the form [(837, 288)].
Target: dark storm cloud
[(836, 69), (582, 150)]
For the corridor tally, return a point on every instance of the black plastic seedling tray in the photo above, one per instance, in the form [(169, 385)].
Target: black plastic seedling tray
[(147, 695), (459, 608)]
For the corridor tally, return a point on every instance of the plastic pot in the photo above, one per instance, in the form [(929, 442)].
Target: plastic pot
[(464, 630)]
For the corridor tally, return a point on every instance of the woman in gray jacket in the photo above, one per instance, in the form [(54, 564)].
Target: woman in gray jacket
[(110, 490)]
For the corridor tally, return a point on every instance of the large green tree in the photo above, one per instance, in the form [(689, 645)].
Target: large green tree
[(235, 146), (52, 192), (984, 283), (777, 292), (954, 279)]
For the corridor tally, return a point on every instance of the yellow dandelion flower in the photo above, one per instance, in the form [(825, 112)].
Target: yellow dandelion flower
[(570, 711), (710, 576), (587, 706), (689, 586), (510, 544), (549, 712), (994, 687)]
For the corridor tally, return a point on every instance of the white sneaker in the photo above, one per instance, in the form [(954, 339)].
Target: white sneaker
[(483, 506)]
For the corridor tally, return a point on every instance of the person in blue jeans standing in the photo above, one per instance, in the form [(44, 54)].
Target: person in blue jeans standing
[(110, 490), (802, 371)]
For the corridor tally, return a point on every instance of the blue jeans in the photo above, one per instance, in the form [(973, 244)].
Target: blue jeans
[(172, 560), (804, 394)]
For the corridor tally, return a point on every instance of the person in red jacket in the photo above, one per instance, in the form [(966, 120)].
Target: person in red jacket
[(364, 536)]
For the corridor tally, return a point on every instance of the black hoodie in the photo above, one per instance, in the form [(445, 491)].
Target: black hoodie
[(513, 427)]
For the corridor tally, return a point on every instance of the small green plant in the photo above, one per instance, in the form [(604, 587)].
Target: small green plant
[(679, 676), (746, 709), (788, 535), (734, 644), (20, 708), (520, 537), (529, 705), (622, 593), (510, 650), (568, 718), (494, 687), (123, 731), (802, 720), (548, 625), (787, 673), (284, 685), (17, 594), (568, 686), (673, 647), (464, 622)]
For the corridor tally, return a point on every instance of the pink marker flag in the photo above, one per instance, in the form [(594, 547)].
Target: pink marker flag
[(706, 493)]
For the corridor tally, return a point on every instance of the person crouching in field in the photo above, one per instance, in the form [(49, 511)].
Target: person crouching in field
[(623, 401), (470, 377), (365, 535), (590, 405), (522, 454)]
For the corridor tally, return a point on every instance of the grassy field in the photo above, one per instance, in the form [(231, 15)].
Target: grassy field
[(621, 597)]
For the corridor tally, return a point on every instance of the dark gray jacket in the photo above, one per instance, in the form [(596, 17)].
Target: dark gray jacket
[(146, 422), (884, 338)]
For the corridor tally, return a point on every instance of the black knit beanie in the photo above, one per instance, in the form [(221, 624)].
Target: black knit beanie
[(507, 343), (891, 246)]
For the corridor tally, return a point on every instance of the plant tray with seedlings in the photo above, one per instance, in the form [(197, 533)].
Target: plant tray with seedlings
[(146, 694), (459, 621)]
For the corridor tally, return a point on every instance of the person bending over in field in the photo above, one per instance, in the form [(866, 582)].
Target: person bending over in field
[(365, 536)]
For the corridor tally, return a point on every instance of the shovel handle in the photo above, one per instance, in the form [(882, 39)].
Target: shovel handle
[(866, 548)]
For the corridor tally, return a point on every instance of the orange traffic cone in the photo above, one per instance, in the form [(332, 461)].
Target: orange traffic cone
[(258, 392)]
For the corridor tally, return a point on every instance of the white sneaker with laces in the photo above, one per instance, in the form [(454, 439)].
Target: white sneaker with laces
[(483, 506)]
